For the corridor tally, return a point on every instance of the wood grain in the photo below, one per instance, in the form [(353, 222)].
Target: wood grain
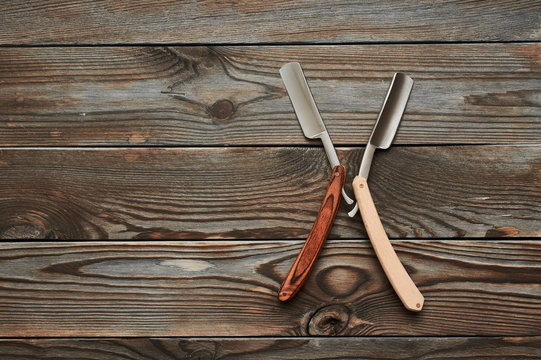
[(191, 96), (263, 193), (304, 263), (162, 21), (82, 80), (490, 348), (221, 288)]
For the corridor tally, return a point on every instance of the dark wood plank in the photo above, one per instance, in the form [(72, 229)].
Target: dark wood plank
[(220, 288), (161, 21), (496, 348), (190, 96), (264, 193)]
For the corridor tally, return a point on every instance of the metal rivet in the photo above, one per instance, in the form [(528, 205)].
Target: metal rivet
[(336, 174), (361, 185), (418, 305)]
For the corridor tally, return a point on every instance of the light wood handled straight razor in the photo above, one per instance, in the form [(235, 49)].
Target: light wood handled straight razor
[(382, 136)]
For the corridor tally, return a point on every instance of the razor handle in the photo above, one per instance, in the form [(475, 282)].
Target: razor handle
[(300, 271), (401, 282)]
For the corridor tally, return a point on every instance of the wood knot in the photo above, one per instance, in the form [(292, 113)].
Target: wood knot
[(200, 350), (222, 110), (202, 354), (341, 281), (329, 321)]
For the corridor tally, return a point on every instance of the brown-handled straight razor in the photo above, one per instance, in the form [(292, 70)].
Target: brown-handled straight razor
[(313, 127)]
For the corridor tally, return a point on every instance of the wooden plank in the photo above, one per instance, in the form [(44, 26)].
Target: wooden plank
[(191, 96), (274, 348), (263, 193), (114, 21), (488, 288)]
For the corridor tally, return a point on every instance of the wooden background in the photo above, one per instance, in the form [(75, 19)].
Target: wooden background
[(152, 163)]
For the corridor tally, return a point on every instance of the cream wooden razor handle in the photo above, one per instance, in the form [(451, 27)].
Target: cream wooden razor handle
[(402, 284)]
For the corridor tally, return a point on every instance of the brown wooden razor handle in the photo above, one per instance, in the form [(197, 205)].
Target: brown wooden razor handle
[(299, 272)]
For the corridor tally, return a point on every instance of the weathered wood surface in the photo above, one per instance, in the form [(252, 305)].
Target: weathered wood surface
[(225, 288), (161, 21), (477, 70), (264, 193), (490, 348), (190, 96)]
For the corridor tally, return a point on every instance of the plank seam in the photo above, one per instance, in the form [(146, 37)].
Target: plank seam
[(254, 44)]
